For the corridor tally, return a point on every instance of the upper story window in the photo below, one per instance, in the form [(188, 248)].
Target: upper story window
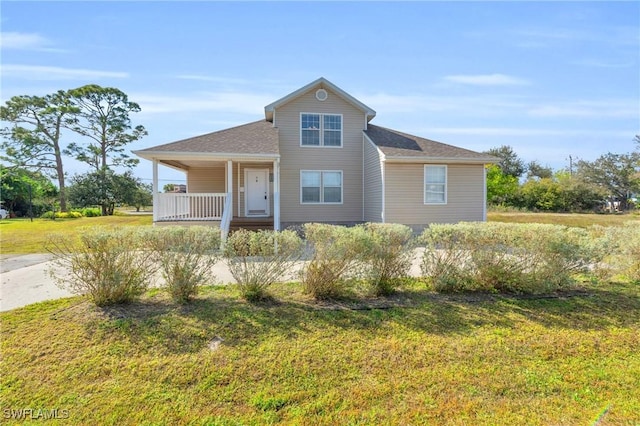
[(320, 130), (435, 184)]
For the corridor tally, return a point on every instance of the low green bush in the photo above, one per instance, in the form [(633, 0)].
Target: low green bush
[(337, 251), (258, 259), (387, 256), (61, 215), (186, 256), (91, 212), (107, 265), (506, 257)]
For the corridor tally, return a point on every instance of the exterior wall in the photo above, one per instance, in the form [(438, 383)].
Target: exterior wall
[(294, 158), (206, 179), (372, 183), (213, 179), (404, 195)]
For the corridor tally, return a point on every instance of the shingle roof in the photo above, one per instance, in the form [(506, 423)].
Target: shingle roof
[(393, 143), (259, 137)]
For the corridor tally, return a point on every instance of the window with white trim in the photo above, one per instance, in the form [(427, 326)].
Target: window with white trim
[(320, 130), (321, 186), (435, 184)]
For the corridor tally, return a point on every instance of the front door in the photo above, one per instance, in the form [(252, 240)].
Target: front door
[(257, 192)]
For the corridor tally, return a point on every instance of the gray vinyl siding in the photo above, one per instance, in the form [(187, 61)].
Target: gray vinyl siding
[(207, 180), (372, 183), (404, 195), (295, 158)]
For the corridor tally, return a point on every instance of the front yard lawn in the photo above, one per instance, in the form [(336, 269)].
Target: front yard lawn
[(416, 358)]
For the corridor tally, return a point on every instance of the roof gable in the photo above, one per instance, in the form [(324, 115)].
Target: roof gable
[(399, 145), (317, 84)]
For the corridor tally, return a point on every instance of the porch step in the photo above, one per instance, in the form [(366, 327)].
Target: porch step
[(250, 223)]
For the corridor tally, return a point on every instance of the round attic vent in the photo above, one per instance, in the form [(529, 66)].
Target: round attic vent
[(321, 95)]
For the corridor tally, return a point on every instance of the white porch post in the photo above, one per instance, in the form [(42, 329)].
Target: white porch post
[(155, 191), (230, 184), (276, 194)]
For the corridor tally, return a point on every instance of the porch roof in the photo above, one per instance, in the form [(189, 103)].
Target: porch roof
[(256, 139), (398, 146)]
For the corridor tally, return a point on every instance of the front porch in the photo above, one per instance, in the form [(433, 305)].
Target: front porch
[(236, 193)]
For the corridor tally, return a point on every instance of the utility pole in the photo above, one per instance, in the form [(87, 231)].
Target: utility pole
[(30, 203), (570, 166)]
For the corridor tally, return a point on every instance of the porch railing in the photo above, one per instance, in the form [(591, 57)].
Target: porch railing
[(194, 206), (225, 222)]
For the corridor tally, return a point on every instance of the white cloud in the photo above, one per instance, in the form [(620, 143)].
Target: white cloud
[(487, 80), (38, 72), (214, 79), (585, 109), (228, 102), (524, 131), (26, 41)]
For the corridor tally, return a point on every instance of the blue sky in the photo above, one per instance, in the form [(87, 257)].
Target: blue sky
[(550, 79)]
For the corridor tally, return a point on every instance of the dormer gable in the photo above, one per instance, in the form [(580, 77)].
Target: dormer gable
[(320, 86)]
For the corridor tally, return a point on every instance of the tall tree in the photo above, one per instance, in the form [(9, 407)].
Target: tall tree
[(510, 163), (105, 188), (104, 120), (501, 188), (616, 173), (23, 190), (536, 170), (33, 138)]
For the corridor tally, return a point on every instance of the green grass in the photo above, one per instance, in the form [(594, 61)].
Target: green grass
[(428, 359), (567, 219), (21, 236)]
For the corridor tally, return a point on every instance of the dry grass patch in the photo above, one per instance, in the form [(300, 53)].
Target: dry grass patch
[(567, 219), (431, 359)]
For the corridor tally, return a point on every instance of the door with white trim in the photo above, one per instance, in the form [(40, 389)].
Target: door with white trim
[(256, 192)]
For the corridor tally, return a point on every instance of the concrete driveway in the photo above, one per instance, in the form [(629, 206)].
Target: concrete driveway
[(24, 280)]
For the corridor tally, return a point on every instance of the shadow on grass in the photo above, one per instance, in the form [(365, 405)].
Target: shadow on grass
[(188, 328)]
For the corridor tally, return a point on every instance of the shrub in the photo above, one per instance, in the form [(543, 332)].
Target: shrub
[(336, 252), (505, 257), (624, 254), (185, 256), (61, 215), (91, 212), (258, 259), (387, 256), (106, 265)]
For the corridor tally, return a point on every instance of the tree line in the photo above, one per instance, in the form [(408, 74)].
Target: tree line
[(612, 181), (90, 124)]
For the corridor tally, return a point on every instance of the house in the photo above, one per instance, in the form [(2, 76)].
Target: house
[(315, 157)]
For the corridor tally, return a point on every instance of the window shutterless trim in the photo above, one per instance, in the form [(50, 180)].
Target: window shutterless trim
[(321, 187), (321, 130), (445, 184)]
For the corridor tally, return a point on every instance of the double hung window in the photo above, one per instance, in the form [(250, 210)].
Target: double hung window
[(320, 130), (435, 184), (321, 187)]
